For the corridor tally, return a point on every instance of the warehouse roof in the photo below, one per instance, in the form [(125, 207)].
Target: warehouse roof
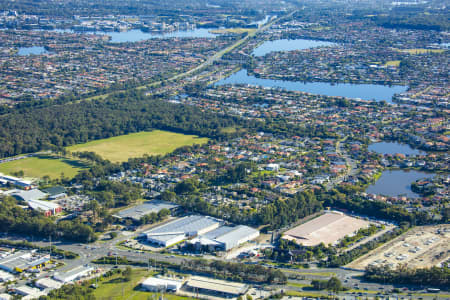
[(236, 233), (328, 229), (184, 225), (30, 195), (215, 285), (42, 205), (137, 212)]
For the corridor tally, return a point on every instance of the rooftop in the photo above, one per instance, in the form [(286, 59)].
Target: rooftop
[(221, 286), (137, 212), (328, 229)]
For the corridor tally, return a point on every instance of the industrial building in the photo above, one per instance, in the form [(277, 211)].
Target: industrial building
[(153, 284), (180, 229), (25, 184), (137, 212), (214, 287), (26, 196), (22, 261), (5, 277), (28, 292), (48, 284), (225, 238), (46, 207), (329, 228), (208, 233), (73, 274)]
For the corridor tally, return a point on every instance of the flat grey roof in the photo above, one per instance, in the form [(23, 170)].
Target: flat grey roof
[(215, 285), (138, 211), (237, 233), (185, 225)]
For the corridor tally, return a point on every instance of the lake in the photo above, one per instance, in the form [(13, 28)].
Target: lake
[(363, 91), (136, 35), (397, 182), (288, 45), (393, 148), (32, 50)]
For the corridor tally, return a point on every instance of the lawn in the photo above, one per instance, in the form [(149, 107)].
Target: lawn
[(115, 288), (42, 165), (121, 148), (392, 63), (420, 51)]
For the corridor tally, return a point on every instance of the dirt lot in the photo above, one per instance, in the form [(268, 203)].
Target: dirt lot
[(420, 247)]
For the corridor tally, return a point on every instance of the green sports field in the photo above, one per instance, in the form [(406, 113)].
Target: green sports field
[(43, 165), (121, 148)]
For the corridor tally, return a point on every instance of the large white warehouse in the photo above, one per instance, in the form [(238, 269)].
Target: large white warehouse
[(153, 284), (225, 237), (180, 229)]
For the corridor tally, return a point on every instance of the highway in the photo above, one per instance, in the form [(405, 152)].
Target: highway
[(350, 278)]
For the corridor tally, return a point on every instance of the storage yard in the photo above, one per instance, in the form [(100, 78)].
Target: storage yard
[(328, 229), (420, 247)]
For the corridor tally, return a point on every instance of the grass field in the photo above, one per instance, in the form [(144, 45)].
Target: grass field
[(42, 165), (121, 148), (420, 51), (115, 288), (393, 63)]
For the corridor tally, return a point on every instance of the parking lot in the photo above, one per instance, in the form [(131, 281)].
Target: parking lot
[(420, 247)]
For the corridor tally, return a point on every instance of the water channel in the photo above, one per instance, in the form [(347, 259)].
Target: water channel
[(362, 91), (288, 45), (394, 148), (397, 183), (32, 50)]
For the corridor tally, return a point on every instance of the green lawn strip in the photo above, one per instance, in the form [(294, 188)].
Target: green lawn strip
[(121, 148), (306, 294), (114, 286), (299, 285)]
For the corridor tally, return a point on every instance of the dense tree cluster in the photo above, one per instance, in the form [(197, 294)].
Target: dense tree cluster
[(434, 276), (344, 258), (62, 125), (332, 284), (14, 218), (376, 209), (235, 271)]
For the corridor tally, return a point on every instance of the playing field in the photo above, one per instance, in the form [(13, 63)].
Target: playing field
[(43, 165), (121, 148), (421, 51)]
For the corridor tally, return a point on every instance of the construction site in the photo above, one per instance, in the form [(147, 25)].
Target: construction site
[(420, 247)]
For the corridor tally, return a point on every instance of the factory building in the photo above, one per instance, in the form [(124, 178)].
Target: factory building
[(22, 261), (214, 287), (181, 229), (225, 238), (73, 274), (137, 212), (153, 284)]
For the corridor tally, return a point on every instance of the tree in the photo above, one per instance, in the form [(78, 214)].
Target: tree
[(127, 273), (334, 284)]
